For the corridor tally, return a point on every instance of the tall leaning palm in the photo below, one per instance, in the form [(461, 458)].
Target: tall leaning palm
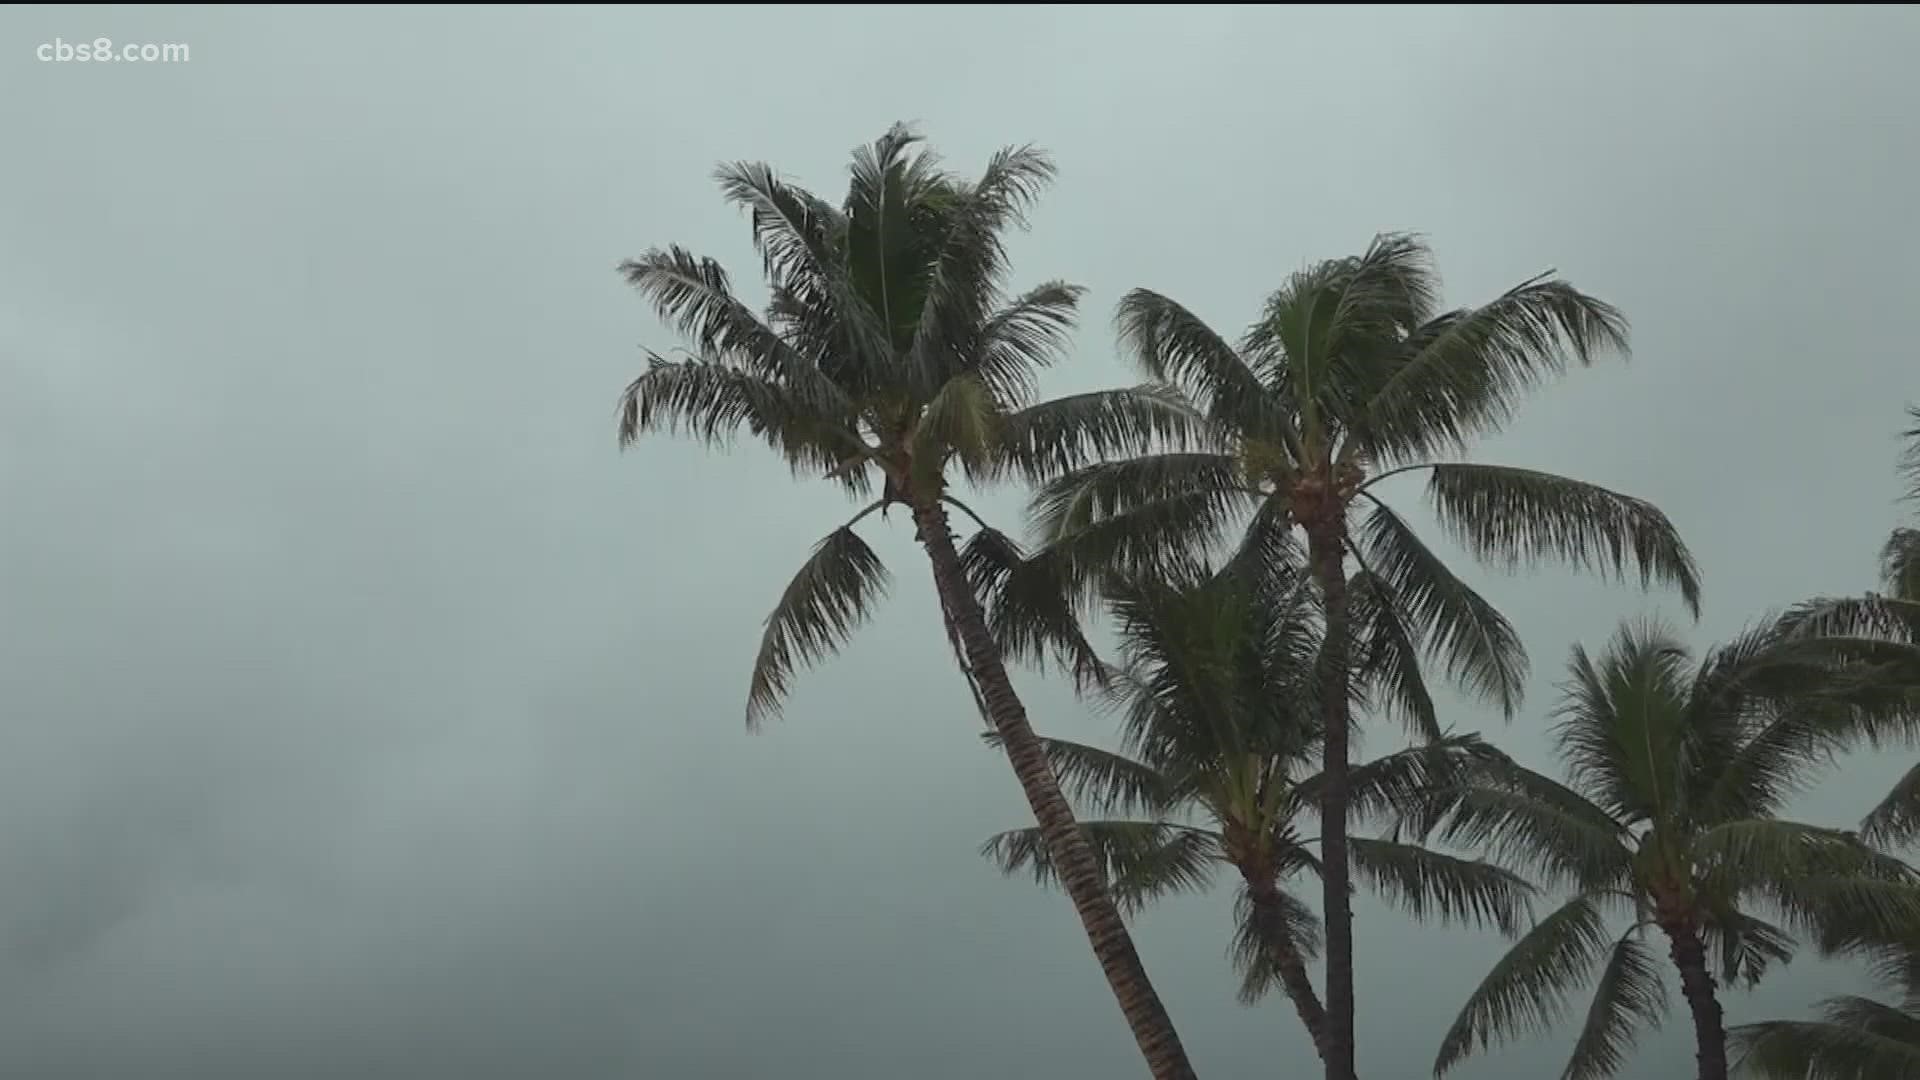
[(1675, 772), (1220, 735), (890, 356), (1353, 374)]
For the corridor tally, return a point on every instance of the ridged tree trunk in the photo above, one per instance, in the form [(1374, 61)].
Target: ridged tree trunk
[(1696, 984), (1326, 547), (1073, 860), (1288, 962)]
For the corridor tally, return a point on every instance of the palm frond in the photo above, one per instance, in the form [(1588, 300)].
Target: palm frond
[(1515, 517), (962, 421), (1468, 369), (1620, 728), (1482, 651), (1261, 937), (1173, 345), (1630, 995), (1530, 822), (1812, 1050), (970, 260), (1747, 946), (1910, 457), (1104, 781), (833, 594), (1142, 860), (1407, 781), (1023, 337), (1428, 883), (1527, 989), (1056, 437), (1388, 651), (1900, 564), (1032, 606), (1895, 819), (1141, 516)]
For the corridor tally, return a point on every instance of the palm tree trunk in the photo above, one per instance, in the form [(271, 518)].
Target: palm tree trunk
[(1696, 984), (1289, 963), (1326, 548), (1073, 860)]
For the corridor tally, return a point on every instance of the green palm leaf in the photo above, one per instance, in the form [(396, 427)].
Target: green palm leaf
[(1143, 860), (1480, 648), (1290, 926), (1023, 337), (1810, 1050), (1104, 781), (1469, 368), (1630, 995), (1429, 883), (1065, 434), (1173, 345), (1895, 819), (1900, 564), (1527, 989), (1514, 517), (833, 593)]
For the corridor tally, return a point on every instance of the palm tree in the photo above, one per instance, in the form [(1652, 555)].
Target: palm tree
[(890, 355), (1221, 728), (1856, 1038), (1674, 774), (1352, 374)]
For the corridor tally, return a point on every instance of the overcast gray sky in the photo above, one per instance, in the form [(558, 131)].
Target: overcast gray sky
[(366, 713)]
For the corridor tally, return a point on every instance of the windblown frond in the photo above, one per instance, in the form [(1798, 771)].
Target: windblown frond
[(1386, 668), (1056, 437), (1258, 942), (1406, 781), (1480, 648), (1468, 369), (1032, 606), (1812, 1050), (1173, 345), (962, 421), (1022, 338), (831, 595), (1104, 781), (1527, 989), (1515, 517), (1900, 564), (1142, 860), (1140, 516), (1529, 821), (1630, 995), (1747, 946), (1429, 883), (1895, 819)]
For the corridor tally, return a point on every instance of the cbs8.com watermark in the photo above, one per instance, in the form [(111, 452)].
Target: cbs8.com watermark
[(108, 51)]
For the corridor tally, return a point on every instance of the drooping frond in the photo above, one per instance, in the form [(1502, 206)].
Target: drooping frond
[(833, 594), (1772, 857), (1513, 517), (1900, 565), (1524, 819), (1142, 860), (1527, 989), (1630, 995), (1387, 651), (1104, 781), (1428, 883), (1480, 648), (1032, 606), (1895, 819), (1057, 437), (1261, 937), (1406, 781), (1862, 898), (1024, 336), (1173, 345), (1468, 369), (1140, 516), (1812, 1050), (1746, 946)]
